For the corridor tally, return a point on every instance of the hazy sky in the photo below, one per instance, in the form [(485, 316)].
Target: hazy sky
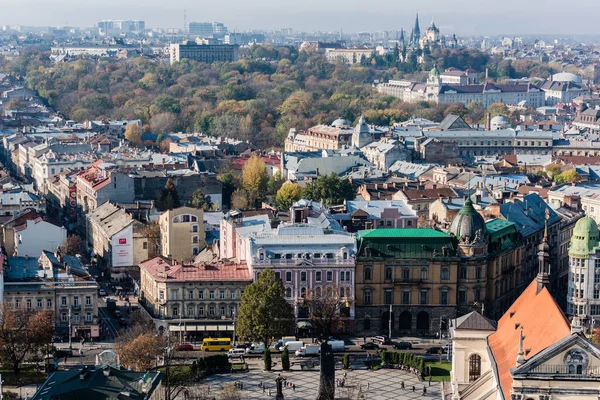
[(464, 17)]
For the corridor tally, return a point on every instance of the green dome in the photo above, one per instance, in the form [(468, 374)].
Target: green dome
[(468, 222), (585, 237), (434, 71)]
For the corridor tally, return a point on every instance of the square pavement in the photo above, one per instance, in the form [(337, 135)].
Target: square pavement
[(382, 384)]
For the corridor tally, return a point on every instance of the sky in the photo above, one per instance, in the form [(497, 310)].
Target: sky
[(463, 17)]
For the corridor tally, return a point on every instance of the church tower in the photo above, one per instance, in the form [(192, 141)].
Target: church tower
[(416, 31), (362, 134), (543, 277)]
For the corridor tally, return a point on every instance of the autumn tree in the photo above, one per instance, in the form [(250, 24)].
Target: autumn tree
[(274, 184), (497, 109), (328, 309), (168, 198), (264, 313), (133, 134), (288, 195), (569, 176), (553, 170), (23, 332), (138, 348), (74, 245), (163, 122), (199, 200), (239, 200), (254, 178), (331, 189)]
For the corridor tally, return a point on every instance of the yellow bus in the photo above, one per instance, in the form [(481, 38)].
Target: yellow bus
[(220, 344)]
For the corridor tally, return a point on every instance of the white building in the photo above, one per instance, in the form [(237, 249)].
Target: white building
[(36, 235)]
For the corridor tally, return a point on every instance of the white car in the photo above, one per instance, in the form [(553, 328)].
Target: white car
[(102, 292)]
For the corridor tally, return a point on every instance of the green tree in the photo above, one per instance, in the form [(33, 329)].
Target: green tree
[(169, 198), (331, 189), (254, 178), (239, 200), (267, 359), (569, 176), (199, 200), (553, 170), (133, 134), (274, 183), (496, 109), (264, 313), (285, 359), (346, 360), (287, 195)]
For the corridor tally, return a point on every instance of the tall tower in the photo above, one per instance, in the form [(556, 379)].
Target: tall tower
[(543, 276), (416, 31)]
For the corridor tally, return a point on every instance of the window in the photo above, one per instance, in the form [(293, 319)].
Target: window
[(405, 274), (329, 276), (423, 297), (173, 294), (233, 295), (211, 311), (288, 292), (48, 303), (462, 296), (405, 297), (222, 311), (76, 301), (288, 276), (474, 367), (211, 295), (201, 295), (388, 274), (303, 276), (342, 276), (64, 317), (145, 245), (388, 223), (190, 295), (278, 275), (409, 223), (477, 294), (195, 239), (342, 292), (463, 273), (222, 295), (318, 276), (367, 297), (28, 304), (424, 273), (175, 311), (161, 295), (201, 311), (347, 276), (195, 251), (477, 272), (63, 301), (75, 317), (444, 297), (88, 300), (387, 296), (368, 274), (39, 303), (194, 228), (445, 274)]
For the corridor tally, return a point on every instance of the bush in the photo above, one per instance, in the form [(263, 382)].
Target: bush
[(391, 358), (213, 364), (285, 359), (346, 361), (267, 360)]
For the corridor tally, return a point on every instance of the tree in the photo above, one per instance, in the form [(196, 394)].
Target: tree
[(169, 198), (346, 360), (254, 178), (239, 200), (74, 245), (569, 176), (23, 332), (274, 184), (330, 189), (285, 359), (264, 313), (163, 122), (133, 134), (288, 195), (138, 348), (199, 200), (553, 170), (496, 109), (328, 308), (267, 359)]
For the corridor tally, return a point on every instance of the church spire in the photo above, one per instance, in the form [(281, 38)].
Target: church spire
[(543, 277), (521, 354), (416, 31)]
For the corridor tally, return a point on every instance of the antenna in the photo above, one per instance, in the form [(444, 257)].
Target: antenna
[(185, 22)]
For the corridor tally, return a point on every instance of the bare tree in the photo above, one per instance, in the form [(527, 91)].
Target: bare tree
[(328, 308)]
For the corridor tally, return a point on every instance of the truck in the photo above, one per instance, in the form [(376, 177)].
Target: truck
[(293, 345), (337, 345), (308, 350), (256, 348), (282, 342)]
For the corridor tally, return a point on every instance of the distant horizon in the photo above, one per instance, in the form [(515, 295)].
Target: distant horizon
[(461, 17)]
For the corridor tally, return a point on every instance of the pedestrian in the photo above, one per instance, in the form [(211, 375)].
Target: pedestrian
[(294, 387), (424, 390), (365, 339), (429, 380), (402, 384), (263, 389), (345, 374), (269, 392), (413, 388), (369, 384), (65, 359)]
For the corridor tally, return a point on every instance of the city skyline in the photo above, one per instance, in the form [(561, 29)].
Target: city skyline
[(463, 17)]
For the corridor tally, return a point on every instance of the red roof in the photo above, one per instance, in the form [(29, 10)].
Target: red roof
[(161, 270), (543, 324)]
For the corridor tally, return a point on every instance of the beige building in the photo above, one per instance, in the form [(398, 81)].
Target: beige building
[(182, 233), (200, 300)]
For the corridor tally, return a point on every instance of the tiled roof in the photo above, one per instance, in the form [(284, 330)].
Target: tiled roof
[(416, 194), (543, 324), (475, 321), (161, 270)]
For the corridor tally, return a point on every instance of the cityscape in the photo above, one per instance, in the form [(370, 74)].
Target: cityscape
[(200, 205)]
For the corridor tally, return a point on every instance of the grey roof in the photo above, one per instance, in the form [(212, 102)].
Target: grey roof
[(453, 122), (475, 322), (110, 218), (530, 214)]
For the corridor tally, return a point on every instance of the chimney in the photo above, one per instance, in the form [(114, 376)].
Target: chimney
[(487, 74), (488, 121)]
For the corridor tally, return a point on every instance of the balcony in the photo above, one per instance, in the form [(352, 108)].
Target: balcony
[(76, 307), (563, 370), (407, 281), (293, 261)]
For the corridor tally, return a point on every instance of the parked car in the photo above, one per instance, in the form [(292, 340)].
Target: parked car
[(382, 340), (293, 345), (123, 321), (403, 345), (102, 292), (117, 314), (279, 345), (308, 350), (184, 347), (436, 350), (369, 346), (236, 352), (256, 348)]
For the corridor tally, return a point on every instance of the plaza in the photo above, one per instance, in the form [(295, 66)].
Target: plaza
[(382, 384)]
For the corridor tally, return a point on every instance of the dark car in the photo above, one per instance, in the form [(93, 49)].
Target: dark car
[(369, 346), (117, 313), (123, 321), (436, 350), (403, 345), (184, 347)]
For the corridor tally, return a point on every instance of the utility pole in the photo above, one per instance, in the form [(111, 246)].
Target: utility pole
[(390, 322), (233, 315)]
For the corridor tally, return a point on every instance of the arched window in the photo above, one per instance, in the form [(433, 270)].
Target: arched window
[(463, 273), (424, 273), (195, 239), (388, 273), (406, 274), (368, 274), (474, 367), (288, 292), (318, 292), (477, 272), (445, 274)]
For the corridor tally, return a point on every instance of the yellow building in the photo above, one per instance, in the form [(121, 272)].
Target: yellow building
[(182, 233)]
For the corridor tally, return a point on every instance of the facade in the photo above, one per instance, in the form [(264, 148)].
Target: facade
[(58, 284), (207, 53), (36, 235), (363, 215), (99, 184), (564, 87), (348, 56), (182, 233), (200, 300), (15, 202)]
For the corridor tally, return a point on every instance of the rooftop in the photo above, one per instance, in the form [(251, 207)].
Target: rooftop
[(160, 269)]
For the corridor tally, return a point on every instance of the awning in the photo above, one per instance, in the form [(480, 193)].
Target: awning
[(304, 324)]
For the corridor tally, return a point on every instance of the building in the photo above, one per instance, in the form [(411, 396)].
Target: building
[(455, 76), (182, 233), (100, 183), (200, 300), (101, 382), (564, 87), (33, 236), (582, 196), (206, 29), (207, 53), (364, 215), (120, 27), (436, 91), (420, 199), (58, 284), (583, 298), (348, 56), (16, 201)]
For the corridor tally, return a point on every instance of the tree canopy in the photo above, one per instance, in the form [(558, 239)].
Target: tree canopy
[(168, 198), (330, 188), (264, 313), (287, 195), (254, 178)]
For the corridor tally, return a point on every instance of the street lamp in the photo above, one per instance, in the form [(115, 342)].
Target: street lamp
[(390, 321), (233, 315)]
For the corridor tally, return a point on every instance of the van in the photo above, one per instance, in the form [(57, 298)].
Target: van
[(279, 345), (337, 345), (308, 350), (256, 348), (381, 339), (236, 353), (293, 346)]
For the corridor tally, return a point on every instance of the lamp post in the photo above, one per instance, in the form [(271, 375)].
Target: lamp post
[(390, 322), (233, 315), (70, 344)]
